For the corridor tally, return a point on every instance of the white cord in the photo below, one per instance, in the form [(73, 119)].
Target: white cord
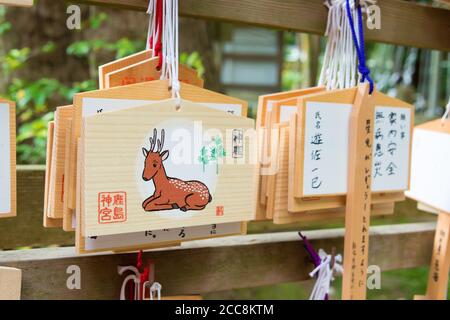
[(340, 65), (446, 113), (155, 288), (170, 50), (325, 275)]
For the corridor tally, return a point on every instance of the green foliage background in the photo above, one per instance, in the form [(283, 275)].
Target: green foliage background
[(33, 97)]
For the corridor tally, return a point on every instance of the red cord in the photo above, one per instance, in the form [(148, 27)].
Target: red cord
[(144, 273), (159, 31)]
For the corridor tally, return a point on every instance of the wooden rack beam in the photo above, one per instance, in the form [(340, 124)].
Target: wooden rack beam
[(402, 22), (26, 229), (213, 265)]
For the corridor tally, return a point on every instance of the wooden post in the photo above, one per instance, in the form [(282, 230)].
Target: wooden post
[(440, 261), (357, 214)]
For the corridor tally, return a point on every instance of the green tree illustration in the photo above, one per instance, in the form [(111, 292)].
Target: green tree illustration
[(217, 152), (204, 157)]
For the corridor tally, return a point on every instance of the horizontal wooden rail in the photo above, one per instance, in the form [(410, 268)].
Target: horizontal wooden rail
[(213, 265), (26, 229), (402, 22)]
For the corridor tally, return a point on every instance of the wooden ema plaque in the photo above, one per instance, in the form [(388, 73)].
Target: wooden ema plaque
[(49, 222), (184, 193), (56, 212), (68, 214), (63, 116), (285, 112), (147, 70), (437, 287), (99, 102), (95, 102), (430, 176), (115, 243), (278, 198), (153, 238), (8, 203), (17, 3), (146, 240), (319, 164), (137, 68), (263, 125), (118, 64), (96, 105)]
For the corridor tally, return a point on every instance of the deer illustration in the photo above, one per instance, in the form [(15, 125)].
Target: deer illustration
[(170, 193)]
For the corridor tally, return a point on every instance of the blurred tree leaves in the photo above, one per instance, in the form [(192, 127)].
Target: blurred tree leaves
[(193, 60), (34, 98)]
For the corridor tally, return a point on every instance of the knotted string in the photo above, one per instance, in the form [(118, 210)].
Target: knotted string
[(446, 113), (359, 45), (324, 273)]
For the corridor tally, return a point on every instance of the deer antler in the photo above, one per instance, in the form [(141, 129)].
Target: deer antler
[(153, 140), (161, 142)]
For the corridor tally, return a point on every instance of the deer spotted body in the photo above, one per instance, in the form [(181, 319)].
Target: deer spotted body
[(170, 193)]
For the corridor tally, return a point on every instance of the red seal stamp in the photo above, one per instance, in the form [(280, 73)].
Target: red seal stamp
[(220, 211), (112, 207)]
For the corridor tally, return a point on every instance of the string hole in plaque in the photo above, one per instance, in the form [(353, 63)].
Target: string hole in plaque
[(178, 105)]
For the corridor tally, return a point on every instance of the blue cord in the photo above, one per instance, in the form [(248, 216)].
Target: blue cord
[(360, 48)]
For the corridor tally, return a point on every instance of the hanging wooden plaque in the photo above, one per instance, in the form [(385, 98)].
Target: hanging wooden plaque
[(115, 65), (430, 173), (148, 239), (358, 200), (186, 193), (7, 159), (18, 3), (154, 238), (331, 111), (305, 156), (430, 185), (69, 222)]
